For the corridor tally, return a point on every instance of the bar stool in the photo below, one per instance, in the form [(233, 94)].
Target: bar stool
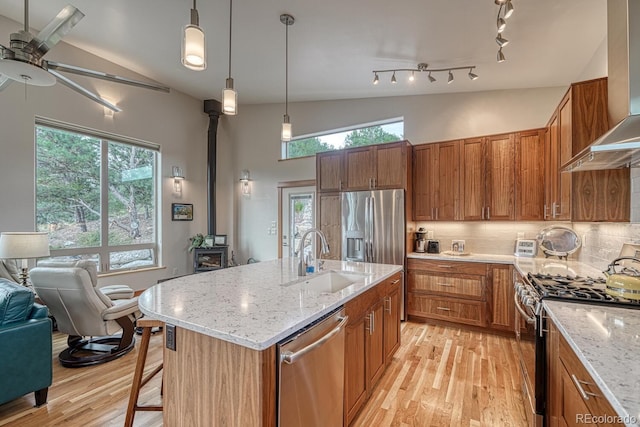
[(138, 380)]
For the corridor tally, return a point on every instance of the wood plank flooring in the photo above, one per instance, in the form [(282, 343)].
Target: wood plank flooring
[(440, 376)]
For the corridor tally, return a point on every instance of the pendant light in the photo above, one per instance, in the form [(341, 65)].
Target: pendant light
[(193, 43), (229, 95), (287, 20)]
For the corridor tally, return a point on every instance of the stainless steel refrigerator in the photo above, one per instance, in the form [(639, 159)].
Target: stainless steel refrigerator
[(373, 228)]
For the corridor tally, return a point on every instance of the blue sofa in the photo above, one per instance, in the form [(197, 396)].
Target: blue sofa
[(25, 344)]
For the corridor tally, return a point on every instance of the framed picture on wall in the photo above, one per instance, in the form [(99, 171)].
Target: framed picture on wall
[(181, 212), (220, 240)]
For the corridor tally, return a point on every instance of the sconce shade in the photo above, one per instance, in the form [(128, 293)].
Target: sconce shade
[(244, 181), (24, 245), (176, 172), (193, 48)]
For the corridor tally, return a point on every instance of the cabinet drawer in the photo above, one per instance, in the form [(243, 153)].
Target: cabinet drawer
[(596, 402), (472, 287), (460, 311), (446, 266)]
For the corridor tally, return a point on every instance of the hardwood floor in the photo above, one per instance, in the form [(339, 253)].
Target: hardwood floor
[(441, 376)]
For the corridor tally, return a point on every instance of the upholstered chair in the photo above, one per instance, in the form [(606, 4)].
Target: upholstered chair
[(25, 344), (91, 316)]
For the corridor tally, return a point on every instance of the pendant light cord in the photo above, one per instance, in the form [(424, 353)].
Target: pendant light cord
[(286, 71), (230, 24)]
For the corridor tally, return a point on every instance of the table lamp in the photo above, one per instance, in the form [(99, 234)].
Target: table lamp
[(24, 246)]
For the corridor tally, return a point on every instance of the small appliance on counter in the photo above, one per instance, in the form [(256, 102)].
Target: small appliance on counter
[(625, 281), (526, 247), (433, 246), (421, 240)]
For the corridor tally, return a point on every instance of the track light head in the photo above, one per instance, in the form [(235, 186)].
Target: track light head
[(502, 42), (500, 56), (472, 75), (412, 77), (431, 78), (376, 79), (501, 24), (508, 9), (450, 78), (393, 78)]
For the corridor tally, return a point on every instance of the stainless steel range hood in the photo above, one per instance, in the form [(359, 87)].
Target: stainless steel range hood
[(620, 146)]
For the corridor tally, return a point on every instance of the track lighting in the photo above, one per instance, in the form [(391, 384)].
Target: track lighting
[(502, 24), (229, 95), (508, 9), (193, 43), (285, 136), (502, 42), (500, 56), (423, 67)]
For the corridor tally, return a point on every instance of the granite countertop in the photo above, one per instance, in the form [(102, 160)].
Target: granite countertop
[(524, 265), (247, 305), (607, 341)]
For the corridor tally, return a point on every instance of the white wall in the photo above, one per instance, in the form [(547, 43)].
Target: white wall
[(175, 121), (253, 142)]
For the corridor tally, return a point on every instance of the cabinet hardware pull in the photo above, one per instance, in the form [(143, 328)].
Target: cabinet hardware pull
[(449, 285), (482, 213), (443, 308), (433, 213), (436, 213), (375, 182), (553, 209), (290, 357), (340, 184), (585, 394), (372, 320), (546, 208), (488, 212), (444, 266), (387, 300), (395, 281)]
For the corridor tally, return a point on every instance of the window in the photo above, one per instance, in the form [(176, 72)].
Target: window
[(96, 195), (366, 134)]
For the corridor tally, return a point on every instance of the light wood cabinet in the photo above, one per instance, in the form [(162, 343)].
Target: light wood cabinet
[(501, 291), (330, 222), (370, 167), (602, 195), (488, 178), (530, 175), (372, 337), (574, 398), (436, 181)]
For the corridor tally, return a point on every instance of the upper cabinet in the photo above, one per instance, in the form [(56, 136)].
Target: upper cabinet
[(530, 173), (372, 167), (604, 195)]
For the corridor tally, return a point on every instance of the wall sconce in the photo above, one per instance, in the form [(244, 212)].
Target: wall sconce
[(245, 183), (178, 177), (108, 112)]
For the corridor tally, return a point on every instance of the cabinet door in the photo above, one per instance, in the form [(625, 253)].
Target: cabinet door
[(329, 171), (447, 184), (392, 318), (563, 210), (390, 166), (500, 178), (530, 189), (375, 344), (472, 180), (425, 181), (355, 380), (502, 309), (551, 167), (330, 220), (359, 168)]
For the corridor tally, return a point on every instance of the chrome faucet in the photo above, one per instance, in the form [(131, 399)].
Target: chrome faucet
[(302, 270)]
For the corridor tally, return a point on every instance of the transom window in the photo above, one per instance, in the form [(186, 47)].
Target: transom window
[(364, 134), (96, 195)]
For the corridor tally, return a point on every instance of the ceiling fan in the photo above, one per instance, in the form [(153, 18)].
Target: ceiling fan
[(23, 60)]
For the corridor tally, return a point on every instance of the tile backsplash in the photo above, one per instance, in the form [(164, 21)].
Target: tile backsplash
[(601, 241)]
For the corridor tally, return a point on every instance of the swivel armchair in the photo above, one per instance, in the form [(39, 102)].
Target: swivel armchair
[(91, 316)]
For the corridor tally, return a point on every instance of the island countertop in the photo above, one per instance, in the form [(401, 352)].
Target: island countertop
[(248, 305)]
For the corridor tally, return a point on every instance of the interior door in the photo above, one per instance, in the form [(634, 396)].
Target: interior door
[(298, 215)]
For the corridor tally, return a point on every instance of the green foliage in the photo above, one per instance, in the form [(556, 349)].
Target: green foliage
[(89, 239), (298, 206), (306, 147), (369, 136)]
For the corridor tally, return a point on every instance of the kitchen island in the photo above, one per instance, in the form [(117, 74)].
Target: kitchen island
[(222, 371)]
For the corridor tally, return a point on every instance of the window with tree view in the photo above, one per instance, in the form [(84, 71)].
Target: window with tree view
[(96, 197), (367, 134)]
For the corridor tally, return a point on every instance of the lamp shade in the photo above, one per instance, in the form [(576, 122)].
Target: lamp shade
[(22, 245), (193, 48), (286, 130), (229, 99)]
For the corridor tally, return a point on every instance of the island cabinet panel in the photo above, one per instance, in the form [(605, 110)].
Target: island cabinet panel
[(213, 382), (330, 221), (372, 336), (573, 398), (530, 155)]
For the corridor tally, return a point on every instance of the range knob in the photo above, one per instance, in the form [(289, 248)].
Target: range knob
[(529, 300)]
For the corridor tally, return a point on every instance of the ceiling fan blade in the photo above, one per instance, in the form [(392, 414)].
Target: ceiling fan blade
[(104, 76), (55, 30), (75, 86), (4, 82)]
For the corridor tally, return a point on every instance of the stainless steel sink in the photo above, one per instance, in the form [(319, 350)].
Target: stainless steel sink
[(330, 281)]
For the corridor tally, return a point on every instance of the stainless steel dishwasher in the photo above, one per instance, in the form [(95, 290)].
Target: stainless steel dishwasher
[(311, 374)]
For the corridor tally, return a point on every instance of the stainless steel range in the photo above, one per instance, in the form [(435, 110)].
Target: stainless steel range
[(530, 326)]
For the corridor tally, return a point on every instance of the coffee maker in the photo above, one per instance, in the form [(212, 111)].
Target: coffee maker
[(421, 240)]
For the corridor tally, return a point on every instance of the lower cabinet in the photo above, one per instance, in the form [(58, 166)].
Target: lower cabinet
[(372, 337), (573, 398), (501, 277)]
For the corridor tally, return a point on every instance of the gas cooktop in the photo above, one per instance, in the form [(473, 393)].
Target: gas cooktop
[(577, 289)]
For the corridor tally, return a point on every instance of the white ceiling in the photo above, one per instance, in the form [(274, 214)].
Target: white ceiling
[(335, 44)]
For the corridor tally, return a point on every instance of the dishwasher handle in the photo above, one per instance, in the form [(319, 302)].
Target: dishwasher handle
[(290, 357)]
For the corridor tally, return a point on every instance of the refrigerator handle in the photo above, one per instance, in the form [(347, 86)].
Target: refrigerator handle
[(366, 230), (371, 229)]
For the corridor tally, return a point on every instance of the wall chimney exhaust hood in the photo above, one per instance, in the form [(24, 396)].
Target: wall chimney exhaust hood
[(620, 146)]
